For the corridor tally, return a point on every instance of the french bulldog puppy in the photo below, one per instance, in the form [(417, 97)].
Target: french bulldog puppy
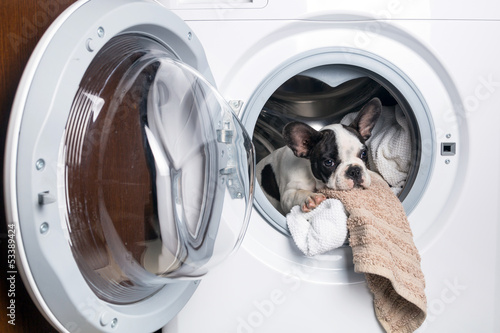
[(334, 156)]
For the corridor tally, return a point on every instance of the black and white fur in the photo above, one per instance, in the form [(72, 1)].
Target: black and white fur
[(334, 157)]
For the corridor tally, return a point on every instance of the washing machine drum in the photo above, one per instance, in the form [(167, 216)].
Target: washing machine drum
[(128, 177)]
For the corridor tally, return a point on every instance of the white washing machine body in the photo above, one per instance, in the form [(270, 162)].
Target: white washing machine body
[(443, 58), (438, 61)]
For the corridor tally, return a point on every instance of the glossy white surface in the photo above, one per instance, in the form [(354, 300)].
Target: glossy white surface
[(378, 9), (450, 54)]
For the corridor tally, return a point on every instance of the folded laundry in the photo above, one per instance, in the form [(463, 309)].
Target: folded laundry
[(320, 230), (383, 248)]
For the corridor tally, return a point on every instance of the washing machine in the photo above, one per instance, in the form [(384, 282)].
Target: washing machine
[(130, 161)]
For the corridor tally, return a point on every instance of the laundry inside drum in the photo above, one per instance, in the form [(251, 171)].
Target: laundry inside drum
[(335, 94)]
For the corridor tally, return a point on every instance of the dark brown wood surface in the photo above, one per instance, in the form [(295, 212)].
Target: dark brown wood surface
[(22, 23)]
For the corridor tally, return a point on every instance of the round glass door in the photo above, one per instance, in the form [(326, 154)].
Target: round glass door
[(158, 172)]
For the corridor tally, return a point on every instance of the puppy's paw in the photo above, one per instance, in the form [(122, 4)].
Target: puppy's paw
[(312, 202)]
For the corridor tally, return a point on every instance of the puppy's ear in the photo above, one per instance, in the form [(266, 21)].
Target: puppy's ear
[(301, 138), (367, 118)]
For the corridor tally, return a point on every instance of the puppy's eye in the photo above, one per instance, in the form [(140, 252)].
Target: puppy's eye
[(328, 163), (363, 155)]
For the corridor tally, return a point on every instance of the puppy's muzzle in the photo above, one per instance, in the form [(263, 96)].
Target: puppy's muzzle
[(355, 173)]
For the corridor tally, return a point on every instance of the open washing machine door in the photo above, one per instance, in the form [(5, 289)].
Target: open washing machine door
[(127, 175)]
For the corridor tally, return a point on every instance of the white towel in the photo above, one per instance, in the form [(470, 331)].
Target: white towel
[(389, 146), (321, 230)]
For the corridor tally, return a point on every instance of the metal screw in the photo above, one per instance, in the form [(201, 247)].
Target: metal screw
[(114, 322), (40, 164), (44, 228), (190, 35), (447, 161), (448, 136), (100, 32)]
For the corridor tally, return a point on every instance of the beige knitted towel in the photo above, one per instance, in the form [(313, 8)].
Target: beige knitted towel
[(383, 249)]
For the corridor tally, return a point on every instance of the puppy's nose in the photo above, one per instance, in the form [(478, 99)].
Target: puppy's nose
[(354, 173)]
